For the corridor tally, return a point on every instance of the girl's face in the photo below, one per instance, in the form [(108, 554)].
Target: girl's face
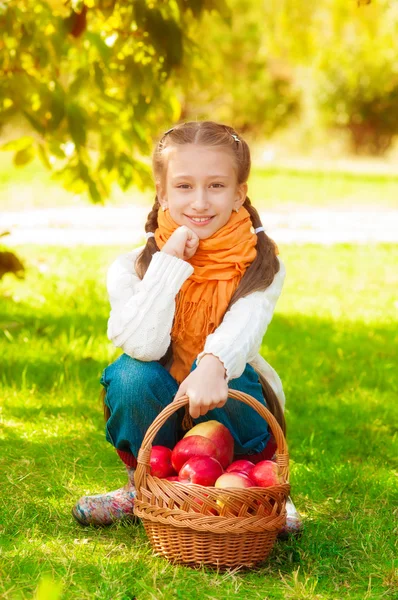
[(201, 183)]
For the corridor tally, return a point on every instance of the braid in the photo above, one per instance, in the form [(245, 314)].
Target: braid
[(144, 259)]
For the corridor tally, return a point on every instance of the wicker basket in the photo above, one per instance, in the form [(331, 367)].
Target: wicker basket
[(194, 524)]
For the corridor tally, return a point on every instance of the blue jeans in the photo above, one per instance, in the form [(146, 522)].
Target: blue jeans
[(137, 391)]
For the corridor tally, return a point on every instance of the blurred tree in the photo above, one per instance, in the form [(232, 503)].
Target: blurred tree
[(238, 77), (93, 81), (356, 74), (344, 56)]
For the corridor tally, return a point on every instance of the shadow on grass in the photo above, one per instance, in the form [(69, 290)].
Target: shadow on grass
[(332, 356), (329, 371)]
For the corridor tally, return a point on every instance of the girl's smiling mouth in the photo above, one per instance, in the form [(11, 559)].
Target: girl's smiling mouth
[(200, 220)]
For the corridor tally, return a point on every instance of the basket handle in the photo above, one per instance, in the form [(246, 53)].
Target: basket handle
[(143, 466)]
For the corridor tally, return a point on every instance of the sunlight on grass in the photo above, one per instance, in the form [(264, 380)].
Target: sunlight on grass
[(332, 341)]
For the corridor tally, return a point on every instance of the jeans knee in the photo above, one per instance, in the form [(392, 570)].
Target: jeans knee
[(129, 381)]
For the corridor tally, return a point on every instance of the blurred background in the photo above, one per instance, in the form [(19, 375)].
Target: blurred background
[(86, 88)]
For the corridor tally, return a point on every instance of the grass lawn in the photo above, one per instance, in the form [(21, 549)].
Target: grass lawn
[(270, 188), (332, 343)]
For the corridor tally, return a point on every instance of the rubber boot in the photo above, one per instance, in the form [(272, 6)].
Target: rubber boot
[(105, 509), (294, 523)]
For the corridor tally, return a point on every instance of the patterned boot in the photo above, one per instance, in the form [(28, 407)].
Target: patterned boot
[(294, 523), (105, 509)]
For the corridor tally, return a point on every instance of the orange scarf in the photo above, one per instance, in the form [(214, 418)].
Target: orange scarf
[(219, 264)]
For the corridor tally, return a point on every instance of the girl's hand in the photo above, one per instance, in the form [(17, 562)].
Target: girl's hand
[(206, 387), (183, 243)]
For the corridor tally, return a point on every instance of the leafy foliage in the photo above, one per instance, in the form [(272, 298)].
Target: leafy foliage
[(239, 78), (92, 81), (344, 58), (357, 76)]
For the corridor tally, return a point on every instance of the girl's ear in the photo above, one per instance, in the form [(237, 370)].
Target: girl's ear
[(241, 195)]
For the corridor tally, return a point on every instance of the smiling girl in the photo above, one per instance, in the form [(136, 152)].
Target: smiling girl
[(190, 309)]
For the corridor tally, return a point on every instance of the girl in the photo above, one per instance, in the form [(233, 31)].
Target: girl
[(190, 309)]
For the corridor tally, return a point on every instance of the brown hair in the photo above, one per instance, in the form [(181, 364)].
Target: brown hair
[(261, 272)]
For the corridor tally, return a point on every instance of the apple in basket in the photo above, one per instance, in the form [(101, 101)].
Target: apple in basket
[(160, 462), (220, 436), (203, 508), (242, 466), (195, 445), (232, 480), (203, 470), (266, 473)]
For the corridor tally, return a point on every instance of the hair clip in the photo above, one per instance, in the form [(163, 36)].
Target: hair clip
[(168, 131), (235, 137)]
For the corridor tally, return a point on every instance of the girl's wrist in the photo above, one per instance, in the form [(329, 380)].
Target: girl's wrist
[(214, 361)]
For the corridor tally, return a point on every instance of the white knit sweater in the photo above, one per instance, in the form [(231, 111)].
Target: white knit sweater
[(142, 313)]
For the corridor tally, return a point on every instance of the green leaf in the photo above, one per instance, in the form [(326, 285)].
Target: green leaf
[(108, 161), (19, 144), (36, 124), (79, 81), (196, 6), (125, 171), (222, 8), (103, 50), (77, 124), (94, 192), (43, 156), (55, 148), (23, 157), (57, 108), (99, 76), (106, 7), (110, 105)]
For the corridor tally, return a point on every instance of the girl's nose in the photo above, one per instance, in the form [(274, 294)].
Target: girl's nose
[(201, 201)]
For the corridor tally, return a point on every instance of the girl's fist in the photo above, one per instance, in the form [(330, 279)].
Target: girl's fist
[(183, 243)]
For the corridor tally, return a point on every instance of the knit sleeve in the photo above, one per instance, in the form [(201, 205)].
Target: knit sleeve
[(142, 311), (238, 338)]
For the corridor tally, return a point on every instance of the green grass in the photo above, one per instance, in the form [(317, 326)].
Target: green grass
[(331, 341), (273, 188)]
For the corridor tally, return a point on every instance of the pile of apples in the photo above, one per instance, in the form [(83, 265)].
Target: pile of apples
[(205, 456)]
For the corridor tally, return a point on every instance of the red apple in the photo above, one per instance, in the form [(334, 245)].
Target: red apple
[(196, 445), (234, 480), (220, 436), (172, 478), (160, 462), (266, 473), (199, 509), (203, 470), (243, 466)]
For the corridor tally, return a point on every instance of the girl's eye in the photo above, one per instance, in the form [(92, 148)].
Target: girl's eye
[(185, 186)]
